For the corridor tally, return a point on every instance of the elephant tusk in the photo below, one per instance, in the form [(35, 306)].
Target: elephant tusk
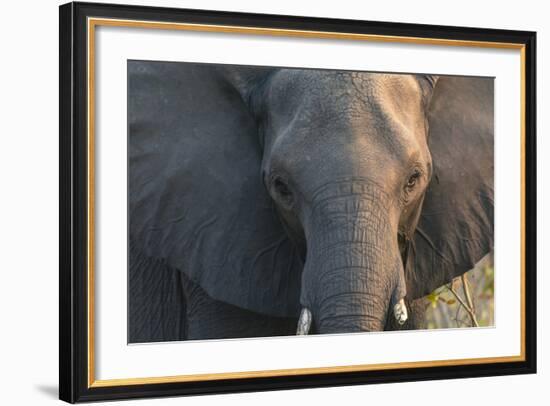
[(400, 312), (304, 322)]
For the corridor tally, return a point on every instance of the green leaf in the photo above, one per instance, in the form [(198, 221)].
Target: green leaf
[(433, 298)]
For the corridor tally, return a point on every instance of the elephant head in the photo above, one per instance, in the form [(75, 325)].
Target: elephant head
[(330, 194)]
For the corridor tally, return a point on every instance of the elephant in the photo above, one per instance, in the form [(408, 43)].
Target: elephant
[(268, 201)]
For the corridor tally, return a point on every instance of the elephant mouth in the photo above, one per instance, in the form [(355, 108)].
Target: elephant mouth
[(306, 318), (399, 308)]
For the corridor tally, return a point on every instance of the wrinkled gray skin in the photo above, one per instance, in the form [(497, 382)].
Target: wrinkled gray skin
[(257, 192)]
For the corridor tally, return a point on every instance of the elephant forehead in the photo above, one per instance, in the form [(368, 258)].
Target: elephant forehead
[(346, 124), (313, 104), (344, 93), (340, 113)]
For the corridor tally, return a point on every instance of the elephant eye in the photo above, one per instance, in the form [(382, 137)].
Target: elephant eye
[(413, 179), (283, 191)]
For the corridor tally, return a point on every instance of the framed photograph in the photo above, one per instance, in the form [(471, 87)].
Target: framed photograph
[(256, 202)]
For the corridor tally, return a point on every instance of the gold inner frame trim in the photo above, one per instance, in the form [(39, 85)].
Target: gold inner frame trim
[(92, 23)]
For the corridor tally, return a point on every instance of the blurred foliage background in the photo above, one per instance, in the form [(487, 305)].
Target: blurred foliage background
[(453, 306)]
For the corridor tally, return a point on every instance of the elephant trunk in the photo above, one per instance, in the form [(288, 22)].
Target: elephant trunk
[(353, 273)]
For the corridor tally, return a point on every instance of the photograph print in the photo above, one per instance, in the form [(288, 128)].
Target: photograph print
[(271, 201)]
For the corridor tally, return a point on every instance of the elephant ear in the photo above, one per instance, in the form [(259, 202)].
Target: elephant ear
[(455, 228), (196, 199)]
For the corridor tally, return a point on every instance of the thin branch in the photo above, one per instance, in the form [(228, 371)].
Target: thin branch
[(456, 316), (464, 305), (460, 300), (459, 322), (466, 290)]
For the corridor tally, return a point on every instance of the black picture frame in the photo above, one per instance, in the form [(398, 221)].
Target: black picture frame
[(74, 383)]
